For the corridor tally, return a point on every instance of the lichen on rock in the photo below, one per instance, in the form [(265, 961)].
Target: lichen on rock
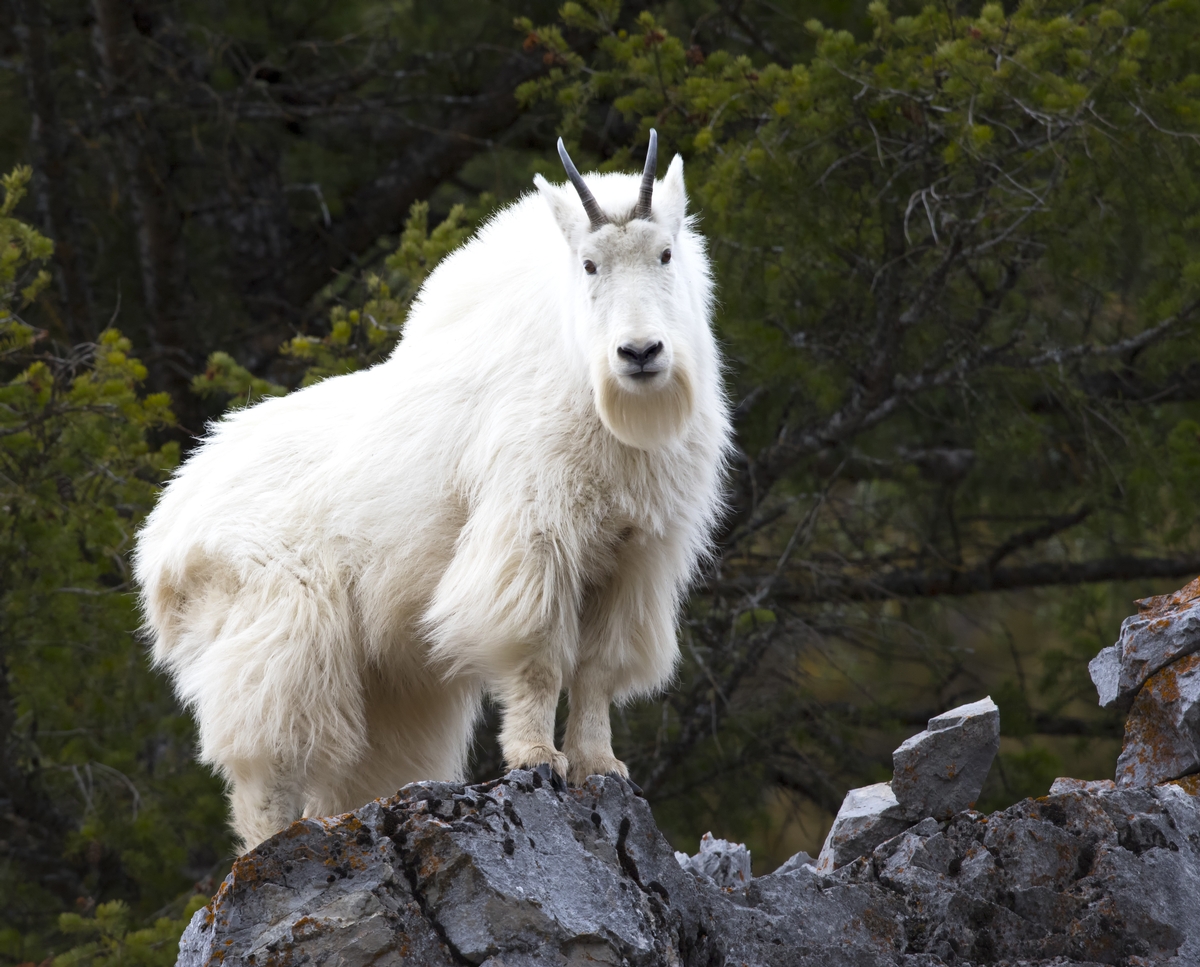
[(1165, 629)]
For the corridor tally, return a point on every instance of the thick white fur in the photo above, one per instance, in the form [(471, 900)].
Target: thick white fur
[(333, 577)]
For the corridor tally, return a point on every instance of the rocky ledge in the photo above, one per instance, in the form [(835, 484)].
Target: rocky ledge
[(514, 872), (519, 872)]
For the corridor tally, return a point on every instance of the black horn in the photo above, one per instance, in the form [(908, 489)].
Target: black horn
[(643, 205), (594, 213)]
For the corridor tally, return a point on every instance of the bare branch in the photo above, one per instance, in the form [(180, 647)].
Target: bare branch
[(1035, 535), (924, 583), (1132, 344)]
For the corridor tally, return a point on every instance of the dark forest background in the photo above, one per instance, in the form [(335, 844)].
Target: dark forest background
[(958, 265)]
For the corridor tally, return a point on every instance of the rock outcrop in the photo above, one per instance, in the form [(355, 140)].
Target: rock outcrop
[(938, 773), (868, 816), (1154, 671), (1166, 628), (520, 873), (1162, 732), (723, 862), (515, 873)]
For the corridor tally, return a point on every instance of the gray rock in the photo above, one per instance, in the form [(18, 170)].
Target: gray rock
[(508, 872), (940, 771), (795, 862), (726, 864), (513, 873), (1105, 672), (1062, 784), (318, 887), (867, 817), (1081, 879), (1166, 629), (1094, 877), (1162, 732)]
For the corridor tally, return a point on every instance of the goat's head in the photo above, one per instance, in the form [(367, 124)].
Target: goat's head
[(633, 323)]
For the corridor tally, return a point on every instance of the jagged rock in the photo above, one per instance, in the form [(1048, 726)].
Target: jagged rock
[(1061, 785), (940, 771), (513, 874), (795, 862), (1189, 784), (1107, 877), (320, 885), (1162, 732), (726, 864), (1166, 628), (510, 872), (867, 817)]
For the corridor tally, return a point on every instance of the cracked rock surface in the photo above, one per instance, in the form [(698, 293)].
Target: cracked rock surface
[(723, 862), (1162, 732), (1166, 628), (512, 873)]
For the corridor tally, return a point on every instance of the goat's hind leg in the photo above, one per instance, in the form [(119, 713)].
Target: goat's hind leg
[(264, 798)]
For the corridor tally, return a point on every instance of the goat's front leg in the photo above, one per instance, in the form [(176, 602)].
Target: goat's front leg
[(627, 647), (529, 694), (588, 742)]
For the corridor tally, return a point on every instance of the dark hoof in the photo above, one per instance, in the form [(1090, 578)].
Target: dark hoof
[(546, 774), (627, 783)]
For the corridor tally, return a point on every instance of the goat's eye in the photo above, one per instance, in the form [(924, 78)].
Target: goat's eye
[(666, 256), (589, 266)]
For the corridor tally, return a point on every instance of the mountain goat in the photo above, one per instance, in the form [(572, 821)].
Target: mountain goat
[(514, 501)]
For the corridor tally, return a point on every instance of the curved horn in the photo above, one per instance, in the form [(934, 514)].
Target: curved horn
[(594, 213), (643, 205)]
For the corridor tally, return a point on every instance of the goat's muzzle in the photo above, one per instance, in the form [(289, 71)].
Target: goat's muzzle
[(641, 361)]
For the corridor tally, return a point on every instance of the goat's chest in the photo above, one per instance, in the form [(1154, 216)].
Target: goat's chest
[(609, 503)]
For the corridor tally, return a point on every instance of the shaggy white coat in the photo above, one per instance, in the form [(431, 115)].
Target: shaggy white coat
[(333, 577)]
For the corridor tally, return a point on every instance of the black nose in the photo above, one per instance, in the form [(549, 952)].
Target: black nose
[(640, 356)]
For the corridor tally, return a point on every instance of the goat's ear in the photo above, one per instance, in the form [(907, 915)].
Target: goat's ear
[(670, 198), (567, 212)]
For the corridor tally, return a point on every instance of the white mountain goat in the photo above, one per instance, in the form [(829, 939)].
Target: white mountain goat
[(516, 501)]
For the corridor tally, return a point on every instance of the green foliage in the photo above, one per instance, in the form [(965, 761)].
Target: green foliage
[(118, 941), (225, 376), (360, 337), (88, 729), (1018, 775), (22, 250)]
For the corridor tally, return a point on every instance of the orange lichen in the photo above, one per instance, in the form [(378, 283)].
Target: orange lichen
[(1189, 784), (1162, 604), (1151, 730)]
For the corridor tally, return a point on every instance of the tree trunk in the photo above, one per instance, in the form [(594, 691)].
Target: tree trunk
[(52, 186), (157, 219)]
